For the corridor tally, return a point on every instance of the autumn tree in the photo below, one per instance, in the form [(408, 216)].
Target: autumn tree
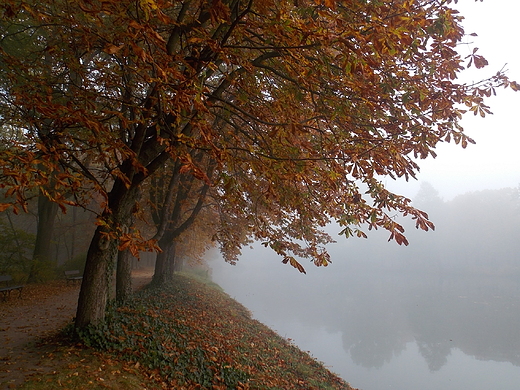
[(303, 106), (23, 42), (181, 202)]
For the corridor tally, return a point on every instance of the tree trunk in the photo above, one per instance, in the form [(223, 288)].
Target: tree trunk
[(93, 296), (164, 264), (178, 264), (42, 258), (100, 264), (73, 238), (124, 276)]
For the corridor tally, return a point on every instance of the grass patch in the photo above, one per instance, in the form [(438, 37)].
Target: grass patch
[(79, 368), (191, 335)]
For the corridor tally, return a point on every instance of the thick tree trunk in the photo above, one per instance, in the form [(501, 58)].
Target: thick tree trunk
[(101, 256), (42, 258), (164, 264), (124, 276), (97, 278)]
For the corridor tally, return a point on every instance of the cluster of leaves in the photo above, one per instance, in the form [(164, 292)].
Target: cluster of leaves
[(193, 335)]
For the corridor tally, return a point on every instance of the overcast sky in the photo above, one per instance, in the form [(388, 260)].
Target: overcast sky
[(494, 162)]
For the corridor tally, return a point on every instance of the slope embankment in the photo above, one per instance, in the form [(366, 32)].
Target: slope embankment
[(186, 336)]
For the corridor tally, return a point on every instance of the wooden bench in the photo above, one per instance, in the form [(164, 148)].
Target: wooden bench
[(6, 287), (73, 276)]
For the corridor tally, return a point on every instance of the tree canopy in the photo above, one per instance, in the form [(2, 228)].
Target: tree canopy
[(290, 111)]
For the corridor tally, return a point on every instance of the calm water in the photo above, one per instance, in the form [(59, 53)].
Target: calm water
[(388, 330)]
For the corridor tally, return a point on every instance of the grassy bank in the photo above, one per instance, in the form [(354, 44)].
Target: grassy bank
[(190, 335)]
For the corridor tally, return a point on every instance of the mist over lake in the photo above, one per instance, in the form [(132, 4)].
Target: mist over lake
[(440, 313)]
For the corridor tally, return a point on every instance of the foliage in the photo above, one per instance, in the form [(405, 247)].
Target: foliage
[(301, 105), (195, 335), (16, 253)]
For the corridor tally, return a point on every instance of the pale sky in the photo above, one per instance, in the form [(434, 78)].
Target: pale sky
[(494, 162)]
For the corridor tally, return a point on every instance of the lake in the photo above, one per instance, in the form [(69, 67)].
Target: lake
[(388, 329)]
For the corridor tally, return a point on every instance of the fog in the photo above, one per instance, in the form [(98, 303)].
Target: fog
[(440, 313)]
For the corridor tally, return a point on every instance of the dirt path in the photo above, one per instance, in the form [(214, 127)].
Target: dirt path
[(26, 322)]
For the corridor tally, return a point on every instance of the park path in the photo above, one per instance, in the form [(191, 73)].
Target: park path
[(26, 322)]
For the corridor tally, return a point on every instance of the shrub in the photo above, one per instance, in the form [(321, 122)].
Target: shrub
[(16, 254)]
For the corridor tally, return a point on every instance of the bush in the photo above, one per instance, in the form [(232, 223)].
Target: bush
[(16, 254)]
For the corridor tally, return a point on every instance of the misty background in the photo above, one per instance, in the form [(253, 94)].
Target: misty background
[(388, 316)]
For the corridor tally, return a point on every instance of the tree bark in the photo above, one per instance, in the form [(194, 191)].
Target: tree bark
[(164, 264), (178, 264), (97, 277), (100, 264), (47, 211), (124, 276)]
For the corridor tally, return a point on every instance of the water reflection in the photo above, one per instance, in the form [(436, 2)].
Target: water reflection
[(379, 316), (477, 315)]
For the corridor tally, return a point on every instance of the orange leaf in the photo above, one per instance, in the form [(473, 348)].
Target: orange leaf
[(112, 49), (294, 263)]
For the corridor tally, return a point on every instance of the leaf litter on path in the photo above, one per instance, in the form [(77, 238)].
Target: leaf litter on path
[(29, 325)]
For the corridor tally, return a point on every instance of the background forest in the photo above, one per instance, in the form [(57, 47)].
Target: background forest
[(69, 234)]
